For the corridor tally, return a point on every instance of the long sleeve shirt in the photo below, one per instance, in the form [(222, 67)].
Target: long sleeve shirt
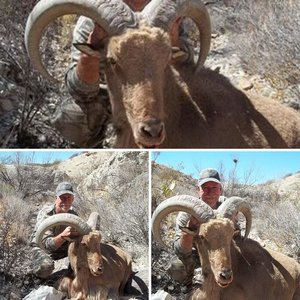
[(48, 238)]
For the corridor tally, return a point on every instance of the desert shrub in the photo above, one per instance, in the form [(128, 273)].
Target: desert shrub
[(12, 51), (280, 224), (19, 174), (123, 224), (126, 220), (14, 232), (29, 88), (265, 36), (120, 196), (165, 187)]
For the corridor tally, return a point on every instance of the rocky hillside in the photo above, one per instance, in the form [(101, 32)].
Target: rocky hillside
[(275, 208), (115, 184)]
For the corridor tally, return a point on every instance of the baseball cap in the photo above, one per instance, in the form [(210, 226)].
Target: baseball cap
[(64, 188), (207, 175)]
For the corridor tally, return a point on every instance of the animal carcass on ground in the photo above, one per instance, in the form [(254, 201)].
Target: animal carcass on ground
[(101, 271), (234, 267), (156, 104)]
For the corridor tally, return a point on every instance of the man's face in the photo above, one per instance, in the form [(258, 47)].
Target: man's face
[(210, 192), (63, 203)]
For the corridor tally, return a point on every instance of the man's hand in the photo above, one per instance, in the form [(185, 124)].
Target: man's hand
[(69, 232), (186, 239), (88, 66), (66, 235), (193, 224), (97, 35), (179, 52)]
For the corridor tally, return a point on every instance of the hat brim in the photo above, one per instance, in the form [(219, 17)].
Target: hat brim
[(64, 192), (201, 182)]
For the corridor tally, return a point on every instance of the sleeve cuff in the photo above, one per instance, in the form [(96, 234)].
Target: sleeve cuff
[(181, 252), (50, 244), (75, 83)]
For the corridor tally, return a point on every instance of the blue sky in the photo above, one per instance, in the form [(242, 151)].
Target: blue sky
[(40, 156), (252, 167)]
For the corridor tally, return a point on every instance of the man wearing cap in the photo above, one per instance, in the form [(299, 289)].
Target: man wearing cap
[(209, 190), (55, 239)]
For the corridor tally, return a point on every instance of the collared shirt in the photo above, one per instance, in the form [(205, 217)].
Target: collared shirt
[(48, 239)]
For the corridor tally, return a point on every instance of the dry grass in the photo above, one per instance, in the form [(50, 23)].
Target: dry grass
[(31, 89), (265, 35), (280, 224), (124, 212), (14, 232), (276, 217)]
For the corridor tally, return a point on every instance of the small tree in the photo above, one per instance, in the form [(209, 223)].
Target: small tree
[(23, 177)]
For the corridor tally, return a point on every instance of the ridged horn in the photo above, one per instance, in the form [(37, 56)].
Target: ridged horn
[(162, 13), (61, 219), (113, 16), (192, 205), (232, 206), (94, 221)]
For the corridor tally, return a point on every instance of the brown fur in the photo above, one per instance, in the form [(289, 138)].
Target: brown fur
[(86, 256), (199, 109), (257, 272)]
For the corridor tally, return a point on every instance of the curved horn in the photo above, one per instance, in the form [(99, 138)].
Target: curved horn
[(232, 206), (192, 205), (61, 219), (94, 221), (162, 13), (113, 15)]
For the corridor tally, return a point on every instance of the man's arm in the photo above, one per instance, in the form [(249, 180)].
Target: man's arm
[(48, 236), (51, 241), (62, 237), (184, 242), (82, 77)]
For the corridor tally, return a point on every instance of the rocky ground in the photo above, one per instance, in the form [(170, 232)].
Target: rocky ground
[(20, 282), (161, 280)]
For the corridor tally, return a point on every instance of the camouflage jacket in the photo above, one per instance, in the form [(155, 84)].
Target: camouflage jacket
[(48, 240)]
